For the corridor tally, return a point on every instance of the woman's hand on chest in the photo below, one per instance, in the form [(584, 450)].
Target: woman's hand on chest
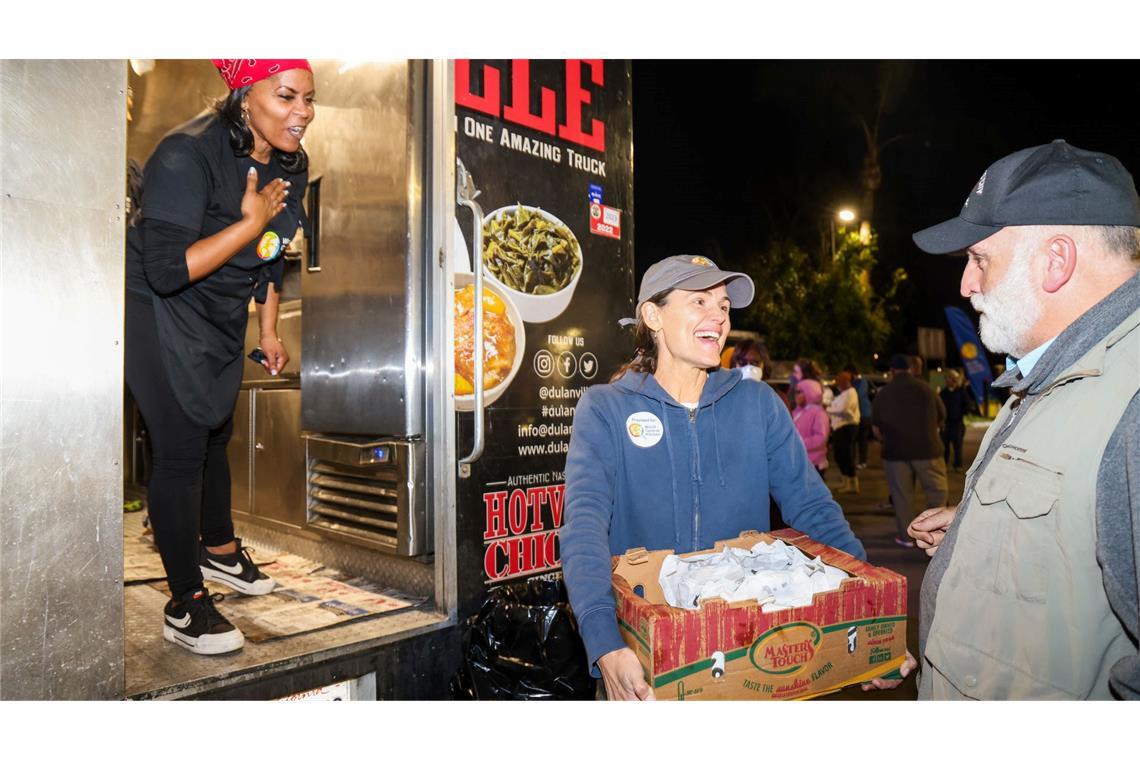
[(259, 207)]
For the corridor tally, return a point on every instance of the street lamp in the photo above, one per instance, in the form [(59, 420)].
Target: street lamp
[(844, 215)]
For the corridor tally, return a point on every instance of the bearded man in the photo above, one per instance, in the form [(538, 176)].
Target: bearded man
[(1032, 593)]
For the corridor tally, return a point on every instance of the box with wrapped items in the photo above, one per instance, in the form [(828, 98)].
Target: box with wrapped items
[(762, 616)]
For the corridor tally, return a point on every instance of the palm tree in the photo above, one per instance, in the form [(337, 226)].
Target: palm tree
[(891, 77)]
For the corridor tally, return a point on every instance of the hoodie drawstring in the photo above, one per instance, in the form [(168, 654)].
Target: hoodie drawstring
[(716, 446), (672, 469)]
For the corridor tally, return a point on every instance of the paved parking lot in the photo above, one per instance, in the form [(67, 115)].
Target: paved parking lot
[(875, 527)]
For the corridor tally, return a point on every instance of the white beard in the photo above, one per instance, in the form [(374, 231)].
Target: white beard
[(1011, 309)]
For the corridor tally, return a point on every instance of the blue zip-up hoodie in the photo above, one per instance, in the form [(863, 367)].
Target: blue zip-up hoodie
[(689, 479)]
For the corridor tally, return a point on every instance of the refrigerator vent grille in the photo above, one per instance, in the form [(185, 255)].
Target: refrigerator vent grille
[(354, 501)]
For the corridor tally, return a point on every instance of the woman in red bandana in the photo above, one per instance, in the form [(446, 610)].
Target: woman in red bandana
[(221, 198)]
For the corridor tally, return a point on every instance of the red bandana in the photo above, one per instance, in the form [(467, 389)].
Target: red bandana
[(241, 72)]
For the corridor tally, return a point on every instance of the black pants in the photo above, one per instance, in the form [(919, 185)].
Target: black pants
[(189, 490), (863, 439), (952, 436), (843, 444)]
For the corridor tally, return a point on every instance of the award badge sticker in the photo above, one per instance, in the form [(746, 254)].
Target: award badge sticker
[(269, 246), (644, 429), (605, 221)]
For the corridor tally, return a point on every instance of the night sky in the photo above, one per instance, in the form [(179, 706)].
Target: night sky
[(731, 154)]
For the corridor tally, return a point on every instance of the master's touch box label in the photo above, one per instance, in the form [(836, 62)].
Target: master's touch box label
[(737, 651)]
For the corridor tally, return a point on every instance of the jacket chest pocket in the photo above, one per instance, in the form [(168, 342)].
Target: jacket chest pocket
[(1018, 501)]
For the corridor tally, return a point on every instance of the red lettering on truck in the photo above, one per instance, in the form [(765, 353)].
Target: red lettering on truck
[(575, 97)]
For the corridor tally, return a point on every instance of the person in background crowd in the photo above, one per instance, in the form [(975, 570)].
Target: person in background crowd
[(956, 399), (917, 367), (844, 414), (1032, 592), (863, 437), (726, 356), (811, 422), (906, 415), (750, 356), (805, 368), (677, 453), (220, 202)]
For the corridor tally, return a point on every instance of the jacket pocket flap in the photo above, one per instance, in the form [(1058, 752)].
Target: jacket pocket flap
[(1033, 499), (1030, 489), (992, 486)]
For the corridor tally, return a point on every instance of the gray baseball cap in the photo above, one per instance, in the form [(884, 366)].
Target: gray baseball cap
[(687, 272), (1044, 185)]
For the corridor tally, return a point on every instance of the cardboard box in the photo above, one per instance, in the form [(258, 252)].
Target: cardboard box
[(737, 651)]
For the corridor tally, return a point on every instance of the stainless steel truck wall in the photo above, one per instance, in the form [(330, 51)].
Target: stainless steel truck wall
[(62, 179)]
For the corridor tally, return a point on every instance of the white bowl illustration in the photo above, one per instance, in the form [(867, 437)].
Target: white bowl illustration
[(460, 255), (536, 307), (466, 402)]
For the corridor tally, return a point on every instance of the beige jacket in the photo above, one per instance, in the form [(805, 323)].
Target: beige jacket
[(1021, 612)]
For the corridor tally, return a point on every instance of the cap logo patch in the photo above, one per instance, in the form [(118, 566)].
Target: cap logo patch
[(701, 261)]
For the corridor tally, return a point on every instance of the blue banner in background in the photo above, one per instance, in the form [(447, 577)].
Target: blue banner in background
[(970, 348)]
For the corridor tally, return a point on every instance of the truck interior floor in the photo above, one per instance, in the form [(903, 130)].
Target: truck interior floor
[(158, 669)]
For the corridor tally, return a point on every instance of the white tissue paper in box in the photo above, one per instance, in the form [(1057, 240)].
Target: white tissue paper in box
[(776, 575)]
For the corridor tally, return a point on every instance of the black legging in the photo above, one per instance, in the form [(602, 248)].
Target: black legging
[(189, 490), (843, 443), (952, 436), (863, 439)]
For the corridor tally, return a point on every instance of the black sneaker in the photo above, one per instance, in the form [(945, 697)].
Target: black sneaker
[(235, 570), (196, 624)]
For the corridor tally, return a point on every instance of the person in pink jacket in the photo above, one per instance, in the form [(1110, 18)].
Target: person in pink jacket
[(811, 422)]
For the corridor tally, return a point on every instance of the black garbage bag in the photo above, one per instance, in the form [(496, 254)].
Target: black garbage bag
[(523, 644)]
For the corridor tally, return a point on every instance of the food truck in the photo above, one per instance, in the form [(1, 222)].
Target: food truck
[(392, 474)]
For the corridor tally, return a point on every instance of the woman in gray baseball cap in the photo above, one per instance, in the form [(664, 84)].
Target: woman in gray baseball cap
[(695, 274), (677, 453)]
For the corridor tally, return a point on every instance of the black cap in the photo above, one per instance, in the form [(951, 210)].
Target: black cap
[(1049, 184)]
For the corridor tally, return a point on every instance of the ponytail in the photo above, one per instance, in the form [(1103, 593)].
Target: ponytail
[(645, 358)]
